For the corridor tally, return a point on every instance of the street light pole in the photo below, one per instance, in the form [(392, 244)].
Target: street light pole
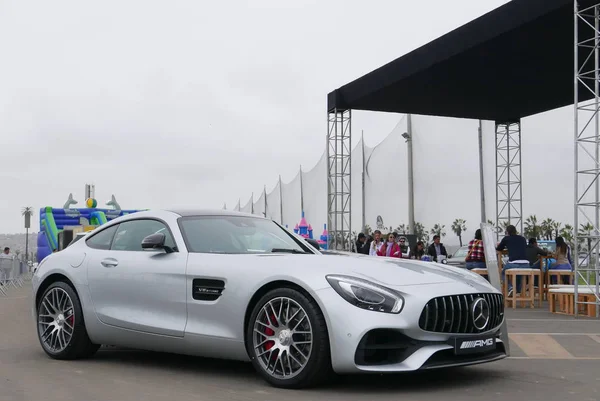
[(411, 193)]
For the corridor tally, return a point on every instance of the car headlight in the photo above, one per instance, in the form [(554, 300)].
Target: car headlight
[(367, 295)]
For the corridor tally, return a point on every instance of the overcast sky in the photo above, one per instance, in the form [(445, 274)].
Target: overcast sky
[(189, 102)]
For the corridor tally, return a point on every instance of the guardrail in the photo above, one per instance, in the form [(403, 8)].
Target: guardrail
[(13, 273)]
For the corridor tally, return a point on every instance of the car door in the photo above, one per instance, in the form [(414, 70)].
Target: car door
[(136, 289)]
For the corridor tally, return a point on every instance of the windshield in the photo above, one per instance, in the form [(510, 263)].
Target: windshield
[(461, 252), (236, 235)]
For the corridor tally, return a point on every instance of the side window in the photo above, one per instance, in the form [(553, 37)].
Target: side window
[(130, 234), (102, 239)]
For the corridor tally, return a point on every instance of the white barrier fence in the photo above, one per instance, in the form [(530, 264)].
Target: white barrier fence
[(445, 162), (13, 273)]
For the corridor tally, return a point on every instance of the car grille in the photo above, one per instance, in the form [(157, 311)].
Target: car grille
[(453, 314)]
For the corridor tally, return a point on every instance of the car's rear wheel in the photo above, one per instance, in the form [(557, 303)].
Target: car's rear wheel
[(287, 340), (60, 326)]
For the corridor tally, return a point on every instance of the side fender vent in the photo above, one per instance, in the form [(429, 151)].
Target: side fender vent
[(207, 289)]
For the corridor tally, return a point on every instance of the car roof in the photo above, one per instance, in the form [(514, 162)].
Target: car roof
[(210, 212)]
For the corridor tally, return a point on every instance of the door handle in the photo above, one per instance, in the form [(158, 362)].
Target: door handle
[(109, 262)]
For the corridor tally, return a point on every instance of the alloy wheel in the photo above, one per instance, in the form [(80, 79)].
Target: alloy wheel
[(56, 320), (282, 337)]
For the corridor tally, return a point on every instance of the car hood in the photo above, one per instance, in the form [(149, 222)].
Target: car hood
[(391, 271)]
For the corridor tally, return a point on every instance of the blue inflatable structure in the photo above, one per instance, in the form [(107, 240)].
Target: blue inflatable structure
[(55, 220)]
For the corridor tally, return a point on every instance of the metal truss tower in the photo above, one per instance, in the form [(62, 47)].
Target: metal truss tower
[(587, 155), (509, 192), (338, 179)]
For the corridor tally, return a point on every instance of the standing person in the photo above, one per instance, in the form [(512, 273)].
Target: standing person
[(5, 265), (437, 249), (517, 253), (376, 244), (362, 244), (476, 257), (390, 248)]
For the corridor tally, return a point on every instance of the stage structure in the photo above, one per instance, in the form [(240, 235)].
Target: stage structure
[(524, 58), (587, 155), (339, 218), (509, 192)]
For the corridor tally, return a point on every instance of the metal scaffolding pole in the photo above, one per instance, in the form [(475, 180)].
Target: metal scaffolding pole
[(339, 217), (587, 156), (481, 177), (509, 194)]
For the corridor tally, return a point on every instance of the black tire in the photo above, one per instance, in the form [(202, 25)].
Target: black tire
[(318, 368), (79, 346)]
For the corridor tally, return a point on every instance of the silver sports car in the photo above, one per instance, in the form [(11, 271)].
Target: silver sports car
[(236, 286)]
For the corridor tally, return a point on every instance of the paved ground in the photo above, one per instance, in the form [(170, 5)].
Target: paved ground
[(553, 358)]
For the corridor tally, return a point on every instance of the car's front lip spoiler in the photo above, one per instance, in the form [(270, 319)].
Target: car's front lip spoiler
[(496, 356)]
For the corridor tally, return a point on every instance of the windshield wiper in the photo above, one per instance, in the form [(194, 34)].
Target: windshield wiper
[(286, 250)]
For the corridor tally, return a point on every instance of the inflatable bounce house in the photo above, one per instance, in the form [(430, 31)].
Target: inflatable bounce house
[(305, 230), (58, 226)]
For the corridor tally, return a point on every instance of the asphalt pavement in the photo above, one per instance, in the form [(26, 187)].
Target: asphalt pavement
[(552, 358)]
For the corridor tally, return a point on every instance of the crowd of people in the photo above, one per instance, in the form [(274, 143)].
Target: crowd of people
[(522, 253), (395, 245)]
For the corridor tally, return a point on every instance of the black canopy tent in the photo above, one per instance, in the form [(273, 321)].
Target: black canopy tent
[(515, 61), (510, 63)]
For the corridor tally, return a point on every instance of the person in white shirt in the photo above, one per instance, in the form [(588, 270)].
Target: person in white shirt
[(376, 244), (5, 265)]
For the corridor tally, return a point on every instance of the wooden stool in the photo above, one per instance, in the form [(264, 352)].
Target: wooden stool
[(481, 272), (564, 295), (588, 310), (527, 287), (559, 274), (565, 298)]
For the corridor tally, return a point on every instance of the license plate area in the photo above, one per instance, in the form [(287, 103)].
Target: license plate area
[(474, 345)]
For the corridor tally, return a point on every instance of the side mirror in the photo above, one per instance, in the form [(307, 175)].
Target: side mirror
[(313, 243), (154, 241)]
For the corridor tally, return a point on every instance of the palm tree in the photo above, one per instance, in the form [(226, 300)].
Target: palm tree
[(402, 229), (567, 233), (27, 212), (556, 228), (421, 232), (586, 230), (497, 229), (439, 229), (458, 227), (532, 228), (547, 228)]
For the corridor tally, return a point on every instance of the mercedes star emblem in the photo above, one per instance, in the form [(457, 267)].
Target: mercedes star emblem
[(481, 313)]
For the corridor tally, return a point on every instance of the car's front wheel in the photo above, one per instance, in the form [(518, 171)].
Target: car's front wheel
[(60, 326), (287, 340)]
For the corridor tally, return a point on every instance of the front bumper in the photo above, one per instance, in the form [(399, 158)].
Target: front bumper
[(367, 341)]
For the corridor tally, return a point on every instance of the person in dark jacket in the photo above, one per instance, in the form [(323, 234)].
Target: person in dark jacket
[(362, 244), (437, 249), (534, 252)]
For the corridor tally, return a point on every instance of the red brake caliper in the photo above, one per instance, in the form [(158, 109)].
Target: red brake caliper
[(269, 332)]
